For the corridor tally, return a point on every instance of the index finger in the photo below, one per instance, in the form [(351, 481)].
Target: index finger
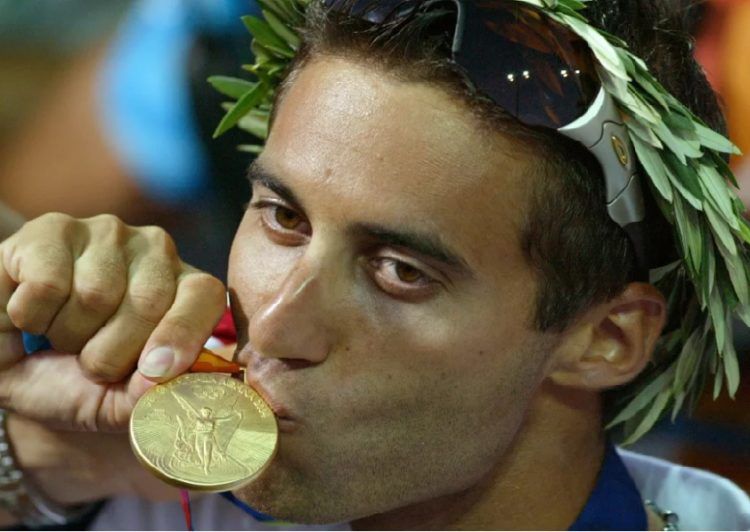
[(177, 340)]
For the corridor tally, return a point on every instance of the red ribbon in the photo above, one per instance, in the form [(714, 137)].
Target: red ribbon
[(210, 362)]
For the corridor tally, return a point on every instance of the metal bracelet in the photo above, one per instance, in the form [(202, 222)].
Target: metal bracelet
[(670, 519)]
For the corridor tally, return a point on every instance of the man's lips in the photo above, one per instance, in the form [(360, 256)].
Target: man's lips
[(258, 371), (279, 409)]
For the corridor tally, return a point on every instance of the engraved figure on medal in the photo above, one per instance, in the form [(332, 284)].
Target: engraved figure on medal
[(199, 440)]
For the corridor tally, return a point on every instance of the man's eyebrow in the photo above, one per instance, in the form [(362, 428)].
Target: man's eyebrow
[(256, 173), (424, 244)]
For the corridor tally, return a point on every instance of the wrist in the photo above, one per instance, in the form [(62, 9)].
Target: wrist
[(20, 497), (63, 466), (78, 467)]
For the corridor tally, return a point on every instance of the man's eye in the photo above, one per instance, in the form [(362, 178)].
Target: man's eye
[(397, 270), (407, 273), (401, 279), (281, 220), (287, 218)]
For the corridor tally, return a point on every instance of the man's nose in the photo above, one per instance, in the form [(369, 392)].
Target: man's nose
[(291, 323)]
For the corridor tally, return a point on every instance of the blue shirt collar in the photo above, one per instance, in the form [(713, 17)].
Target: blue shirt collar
[(615, 503)]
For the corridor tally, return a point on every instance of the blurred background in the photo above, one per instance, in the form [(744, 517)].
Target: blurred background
[(104, 108)]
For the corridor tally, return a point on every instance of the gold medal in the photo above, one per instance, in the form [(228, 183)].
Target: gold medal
[(203, 431)]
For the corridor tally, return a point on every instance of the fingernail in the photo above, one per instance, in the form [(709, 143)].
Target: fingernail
[(157, 362)]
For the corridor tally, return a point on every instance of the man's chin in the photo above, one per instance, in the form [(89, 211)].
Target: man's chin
[(278, 495)]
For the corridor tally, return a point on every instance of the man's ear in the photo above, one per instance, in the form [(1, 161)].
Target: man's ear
[(612, 343)]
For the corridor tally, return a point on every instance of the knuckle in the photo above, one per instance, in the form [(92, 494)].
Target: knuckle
[(18, 317), (107, 222), (51, 289), (25, 321), (54, 219), (150, 303), (160, 240), (53, 258), (50, 224), (55, 224), (207, 285), (106, 267), (97, 298), (109, 226), (154, 270), (103, 368)]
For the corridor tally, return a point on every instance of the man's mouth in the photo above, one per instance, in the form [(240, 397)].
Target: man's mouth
[(258, 371), (284, 418)]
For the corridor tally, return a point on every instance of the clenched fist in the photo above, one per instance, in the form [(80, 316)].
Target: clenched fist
[(110, 298)]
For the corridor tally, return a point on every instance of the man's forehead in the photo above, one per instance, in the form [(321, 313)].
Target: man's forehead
[(366, 136), (339, 114)]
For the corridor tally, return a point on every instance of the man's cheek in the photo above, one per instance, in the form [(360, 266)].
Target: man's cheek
[(259, 266)]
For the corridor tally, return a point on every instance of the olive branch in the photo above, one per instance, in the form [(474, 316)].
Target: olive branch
[(687, 174)]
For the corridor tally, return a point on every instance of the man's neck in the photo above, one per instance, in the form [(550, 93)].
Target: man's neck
[(541, 482)]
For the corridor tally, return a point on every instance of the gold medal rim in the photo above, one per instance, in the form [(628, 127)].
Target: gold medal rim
[(179, 483)]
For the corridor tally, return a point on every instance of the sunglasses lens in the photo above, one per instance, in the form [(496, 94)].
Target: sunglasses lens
[(534, 68), (375, 11), (537, 70)]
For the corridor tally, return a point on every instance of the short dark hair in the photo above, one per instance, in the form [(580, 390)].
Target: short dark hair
[(581, 256)]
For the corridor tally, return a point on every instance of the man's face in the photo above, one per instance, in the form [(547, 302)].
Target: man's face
[(383, 302)]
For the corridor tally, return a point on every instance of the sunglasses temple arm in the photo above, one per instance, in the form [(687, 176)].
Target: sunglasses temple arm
[(458, 35), (602, 131)]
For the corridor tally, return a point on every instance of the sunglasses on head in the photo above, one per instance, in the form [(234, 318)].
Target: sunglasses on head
[(544, 75)]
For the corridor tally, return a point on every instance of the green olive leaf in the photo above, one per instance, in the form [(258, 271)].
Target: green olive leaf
[(650, 419), (719, 228), (688, 360), (644, 397), (233, 87), (731, 365), (255, 124), (716, 313), (718, 384), (654, 167), (682, 148), (255, 149), (688, 179), (643, 132), (241, 108), (716, 189), (267, 38), (736, 268), (290, 38), (715, 141), (603, 50)]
